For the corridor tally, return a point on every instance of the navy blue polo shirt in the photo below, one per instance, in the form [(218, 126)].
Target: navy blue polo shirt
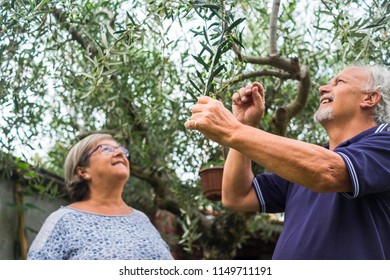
[(336, 226)]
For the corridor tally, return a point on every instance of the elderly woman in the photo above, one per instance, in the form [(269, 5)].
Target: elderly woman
[(98, 224)]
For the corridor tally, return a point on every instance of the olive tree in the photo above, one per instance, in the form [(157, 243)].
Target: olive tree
[(134, 69)]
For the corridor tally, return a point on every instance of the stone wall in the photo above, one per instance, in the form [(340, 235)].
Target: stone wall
[(39, 208)]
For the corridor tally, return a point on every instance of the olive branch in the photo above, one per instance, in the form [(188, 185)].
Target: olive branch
[(218, 38)]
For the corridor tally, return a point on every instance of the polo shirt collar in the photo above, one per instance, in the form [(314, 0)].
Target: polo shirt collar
[(356, 138)]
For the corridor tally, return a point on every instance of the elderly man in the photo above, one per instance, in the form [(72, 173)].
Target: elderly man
[(336, 199)]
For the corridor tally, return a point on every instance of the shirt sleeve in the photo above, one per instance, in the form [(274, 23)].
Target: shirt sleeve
[(271, 191), (368, 164)]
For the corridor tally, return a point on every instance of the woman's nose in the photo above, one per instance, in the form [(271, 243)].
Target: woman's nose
[(118, 151)]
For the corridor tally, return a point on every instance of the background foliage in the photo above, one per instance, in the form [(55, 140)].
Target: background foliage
[(135, 68)]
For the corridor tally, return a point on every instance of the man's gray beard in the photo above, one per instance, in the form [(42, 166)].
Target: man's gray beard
[(323, 115)]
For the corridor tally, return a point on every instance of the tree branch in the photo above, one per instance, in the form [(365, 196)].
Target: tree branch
[(21, 221), (303, 92), (76, 36), (273, 48), (284, 114), (293, 69), (289, 65), (260, 73)]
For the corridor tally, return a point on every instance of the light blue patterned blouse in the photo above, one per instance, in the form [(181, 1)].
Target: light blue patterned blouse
[(70, 234)]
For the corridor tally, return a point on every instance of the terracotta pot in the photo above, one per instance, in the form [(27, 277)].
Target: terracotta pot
[(211, 179)]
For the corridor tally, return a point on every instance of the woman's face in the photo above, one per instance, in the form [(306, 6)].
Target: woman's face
[(107, 160)]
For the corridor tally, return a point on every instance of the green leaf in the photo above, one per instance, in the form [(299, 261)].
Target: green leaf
[(378, 23), (222, 46), (238, 42), (321, 28), (215, 24), (199, 76), (201, 61), (208, 88), (358, 34), (206, 37), (41, 4), (211, 7), (327, 13), (131, 18), (234, 24), (197, 33), (216, 72), (104, 40), (207, 48), (194, 86), (88, 93)]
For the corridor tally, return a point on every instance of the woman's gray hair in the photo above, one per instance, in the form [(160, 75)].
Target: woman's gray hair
[(380, 82), (76, 186)]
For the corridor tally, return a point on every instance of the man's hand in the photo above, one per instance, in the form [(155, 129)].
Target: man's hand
[(248, 104), (213, 120)]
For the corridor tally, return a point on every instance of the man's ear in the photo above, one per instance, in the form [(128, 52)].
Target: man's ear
[(371, 99)]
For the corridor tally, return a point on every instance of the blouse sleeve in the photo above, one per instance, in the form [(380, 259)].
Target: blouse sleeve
[(50, 243)]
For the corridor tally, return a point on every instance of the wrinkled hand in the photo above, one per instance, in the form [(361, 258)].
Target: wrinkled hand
[(249, 104), (213, 120)]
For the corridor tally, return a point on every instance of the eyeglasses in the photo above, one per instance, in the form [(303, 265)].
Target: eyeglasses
[(109, 150)]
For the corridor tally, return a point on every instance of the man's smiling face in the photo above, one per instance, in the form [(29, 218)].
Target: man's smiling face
[(340, 98)]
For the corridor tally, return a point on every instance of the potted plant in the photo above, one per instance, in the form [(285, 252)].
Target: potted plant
[(211, 175), (211, 179)]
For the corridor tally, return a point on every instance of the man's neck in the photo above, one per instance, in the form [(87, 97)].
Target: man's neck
[(340, 132)]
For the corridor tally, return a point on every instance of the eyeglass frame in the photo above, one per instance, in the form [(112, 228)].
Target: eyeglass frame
[(113, 148)]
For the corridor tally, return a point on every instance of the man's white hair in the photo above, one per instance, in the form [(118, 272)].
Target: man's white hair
[(380, 81)]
